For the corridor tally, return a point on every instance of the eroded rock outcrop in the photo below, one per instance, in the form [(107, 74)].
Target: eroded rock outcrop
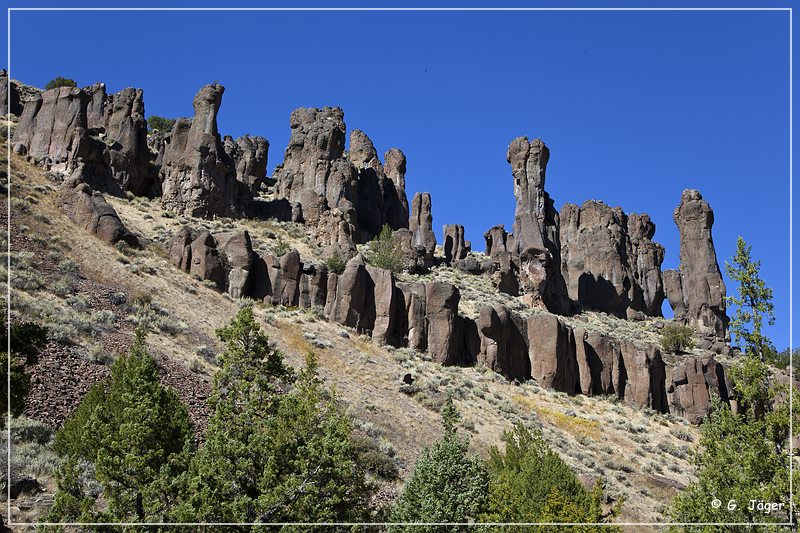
[(119, 119), (381, 199), (536, 227), (107, 134), (249, 155), (696, 291), (455, 249), (445, 336), (89, 210), (423, 240), (692, 383), (9, 99), (504, 347), (199, 177), (551, 345), (609, 261)]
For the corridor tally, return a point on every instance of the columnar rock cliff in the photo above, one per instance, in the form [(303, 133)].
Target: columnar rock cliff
[(589, 256), (696, 291)]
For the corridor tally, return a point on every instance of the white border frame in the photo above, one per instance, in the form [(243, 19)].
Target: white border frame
[(378, 524)]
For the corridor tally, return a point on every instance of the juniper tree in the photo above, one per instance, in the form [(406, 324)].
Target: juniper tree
[(278, 445), (447, 484), (134, 431), (529, 482)]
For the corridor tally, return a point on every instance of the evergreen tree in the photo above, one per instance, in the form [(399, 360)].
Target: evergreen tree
[(134, 431), (743, 456), (531, 483), (384, 251), (753, 304), (273, 452), (60, 81), (447, 484)]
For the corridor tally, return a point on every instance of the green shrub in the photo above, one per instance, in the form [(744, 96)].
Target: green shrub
[(529, 482), (271, 455), (384, 251), (676, 338), (60, 82), (154, 122), (281, 247), (335, 262), (27, 341)]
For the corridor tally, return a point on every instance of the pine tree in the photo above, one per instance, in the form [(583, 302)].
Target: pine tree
[(134, 431), (754, 302), (278, 446), (447, 484)]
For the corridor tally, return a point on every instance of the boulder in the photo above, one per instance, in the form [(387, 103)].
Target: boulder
[(249, 155), (454, 247), (536, 227), (551, 346), (198, 176), (697, 292), (89, 210)]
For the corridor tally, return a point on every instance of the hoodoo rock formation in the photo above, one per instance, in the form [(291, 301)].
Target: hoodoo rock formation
[(696, 291), (423, 240), (592, 256), (536, 226), (198, 176), (609, 261), (455, 248)]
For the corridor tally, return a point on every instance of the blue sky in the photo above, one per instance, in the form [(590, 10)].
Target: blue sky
[(635, 106)]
